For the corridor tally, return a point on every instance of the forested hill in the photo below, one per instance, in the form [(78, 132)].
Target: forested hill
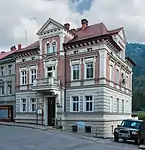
[(136, 52)]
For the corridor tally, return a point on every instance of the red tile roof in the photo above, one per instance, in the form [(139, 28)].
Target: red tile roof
[(93, 31), (30, 47), (3, 55)]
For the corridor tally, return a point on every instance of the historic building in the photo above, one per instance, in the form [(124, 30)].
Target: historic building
[(7, 85), (78, 76)]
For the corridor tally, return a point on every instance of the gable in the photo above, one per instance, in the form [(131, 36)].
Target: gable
[(50, 24), (122, 35)]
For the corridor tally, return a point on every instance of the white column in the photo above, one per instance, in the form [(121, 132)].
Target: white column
[(103, 59), (45, 111)]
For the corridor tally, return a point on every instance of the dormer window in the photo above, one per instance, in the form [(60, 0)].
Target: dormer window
[(48, 48), (54, 47)]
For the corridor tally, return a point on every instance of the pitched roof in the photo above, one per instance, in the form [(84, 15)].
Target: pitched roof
[(32, 46), (93, 31), (5, 54)]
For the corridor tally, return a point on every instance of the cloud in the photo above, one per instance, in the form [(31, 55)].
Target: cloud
[(19, 16)]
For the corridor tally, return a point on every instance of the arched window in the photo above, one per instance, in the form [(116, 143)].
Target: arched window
[(54, 47), (48, 48)]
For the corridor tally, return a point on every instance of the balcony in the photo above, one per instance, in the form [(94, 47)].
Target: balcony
[(46, 84)]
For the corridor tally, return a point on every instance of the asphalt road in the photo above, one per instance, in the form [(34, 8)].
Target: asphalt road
[(16, 138)]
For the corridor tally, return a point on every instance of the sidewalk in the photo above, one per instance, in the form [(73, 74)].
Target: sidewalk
[(32, 126)]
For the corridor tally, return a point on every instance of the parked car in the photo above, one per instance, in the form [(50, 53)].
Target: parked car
[(130, 130)]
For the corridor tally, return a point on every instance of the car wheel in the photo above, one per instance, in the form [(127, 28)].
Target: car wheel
[(116, 139), (138, 141)]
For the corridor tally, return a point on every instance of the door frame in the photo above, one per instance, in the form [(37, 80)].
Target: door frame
[(46, 108)]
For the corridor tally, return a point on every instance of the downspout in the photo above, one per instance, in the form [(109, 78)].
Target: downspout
[(64, 78)]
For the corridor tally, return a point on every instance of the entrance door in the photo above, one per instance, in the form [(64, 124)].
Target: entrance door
[(51, 111)]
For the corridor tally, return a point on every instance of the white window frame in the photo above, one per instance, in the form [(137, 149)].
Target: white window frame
[(33, 75), (84, 103), (54, 51), (117, 78), (86, 69), (48, 52), (117, 105), (51, 71), (2, 70), (22, 103), (25, 77), (2, 90), (9, 69), (9, 89), (72, 102), (72, 71), (123, 105), (111, 104), (33, 103)]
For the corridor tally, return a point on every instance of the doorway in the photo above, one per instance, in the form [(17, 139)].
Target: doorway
[(51, 111)]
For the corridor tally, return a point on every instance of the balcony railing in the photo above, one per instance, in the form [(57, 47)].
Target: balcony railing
[(47, 81)]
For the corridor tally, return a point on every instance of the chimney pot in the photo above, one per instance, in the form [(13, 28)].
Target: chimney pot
[(84, 23), (67, 26), (3, 52), (13, 48), (19, 46)]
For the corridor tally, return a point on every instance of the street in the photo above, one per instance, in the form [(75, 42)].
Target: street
[(18, 138)]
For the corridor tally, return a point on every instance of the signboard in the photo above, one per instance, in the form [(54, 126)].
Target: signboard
[(81, 124)]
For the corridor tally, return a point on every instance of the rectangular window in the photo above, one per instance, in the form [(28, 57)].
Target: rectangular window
[(2, 71), (9, 89), (2, 90), (111, 104), (89, 103), (33, 104), (23, 77), (123, 106), (33, 75), (111, 73), (117, 76), (76, 72), (9, 69), (50, 71), (24, 104), (75, 52), (117, 105), (75, 104), (23, 60), (89, 70)]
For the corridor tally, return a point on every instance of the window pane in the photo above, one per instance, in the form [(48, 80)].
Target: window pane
[(89, 70), (75, 72)]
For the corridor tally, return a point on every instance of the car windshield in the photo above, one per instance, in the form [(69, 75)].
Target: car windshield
[(131, 124)]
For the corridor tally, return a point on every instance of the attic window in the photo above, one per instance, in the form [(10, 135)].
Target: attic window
[(75, 52), (89, 49), (23, 60)]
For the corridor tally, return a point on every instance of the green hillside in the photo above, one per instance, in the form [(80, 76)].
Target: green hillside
[(137, 53)]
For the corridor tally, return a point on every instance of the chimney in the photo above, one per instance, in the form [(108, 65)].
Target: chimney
[(19, 46), (2, 52), (13, 48), (84, 23), (67, 26)]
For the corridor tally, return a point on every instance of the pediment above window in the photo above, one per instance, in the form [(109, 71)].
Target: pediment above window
[(49, 25)]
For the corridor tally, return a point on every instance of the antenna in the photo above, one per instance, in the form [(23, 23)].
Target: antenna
[(26, 37)]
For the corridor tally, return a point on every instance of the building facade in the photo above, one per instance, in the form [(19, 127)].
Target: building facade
[(76, 76), (7, 85)]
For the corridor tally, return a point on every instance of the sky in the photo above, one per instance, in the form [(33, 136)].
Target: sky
[(19, 18)]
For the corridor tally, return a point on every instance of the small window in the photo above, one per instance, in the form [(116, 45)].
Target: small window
[(75, 52), (2, 71), (2, 90), (9, 89), (23, 60), (54, 47), (89, 49), (33, 58), (9, 69)]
